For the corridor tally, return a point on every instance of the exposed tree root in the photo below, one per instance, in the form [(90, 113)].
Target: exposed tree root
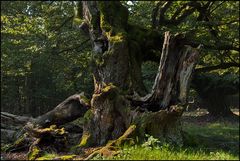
[(111, 148)]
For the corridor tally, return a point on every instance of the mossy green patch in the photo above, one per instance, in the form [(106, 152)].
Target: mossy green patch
[(66, 157), (84, 139), (53, 156), (85, 99), (88, 116), (77, 21), (34, 153), (47, 156), (108, 87), (110, 18)]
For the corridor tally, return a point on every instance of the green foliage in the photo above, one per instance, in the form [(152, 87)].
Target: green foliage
[(167, 153), (151, 142), (223, 135), (226, 83), (149, 70), (44, 59)]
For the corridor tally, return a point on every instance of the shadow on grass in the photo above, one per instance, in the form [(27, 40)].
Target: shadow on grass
[(212, 134)]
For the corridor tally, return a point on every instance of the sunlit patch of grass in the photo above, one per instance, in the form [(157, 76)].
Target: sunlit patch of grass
[(168, 153), (213, 141)]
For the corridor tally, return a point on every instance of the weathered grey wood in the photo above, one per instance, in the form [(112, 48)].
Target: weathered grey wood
[(174, 73), (70, 109), (11, 119)]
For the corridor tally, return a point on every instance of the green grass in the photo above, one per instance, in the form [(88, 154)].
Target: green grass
[(216, 136), (167, 153), (228, 131), (212, 141)]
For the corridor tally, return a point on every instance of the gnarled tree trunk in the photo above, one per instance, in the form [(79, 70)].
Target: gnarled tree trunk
[(110, 113), (116, 73)]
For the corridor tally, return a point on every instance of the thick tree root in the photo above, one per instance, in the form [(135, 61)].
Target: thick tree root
[(111, 148)]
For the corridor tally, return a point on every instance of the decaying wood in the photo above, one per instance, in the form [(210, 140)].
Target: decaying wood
[(14, 120), (176, 66), (42, 138), (11, 126), (70, 109), (173, 78), (163, 124)]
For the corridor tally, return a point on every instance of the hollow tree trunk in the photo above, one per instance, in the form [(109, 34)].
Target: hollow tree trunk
[(169, 92), (174, 73)]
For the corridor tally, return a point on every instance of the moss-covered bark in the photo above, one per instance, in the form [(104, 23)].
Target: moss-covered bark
[(117, 60), (108, 119)]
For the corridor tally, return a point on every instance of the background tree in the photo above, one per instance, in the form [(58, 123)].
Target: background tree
[(40, 66)]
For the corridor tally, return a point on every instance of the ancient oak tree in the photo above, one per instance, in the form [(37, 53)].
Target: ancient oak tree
[(119, 99)]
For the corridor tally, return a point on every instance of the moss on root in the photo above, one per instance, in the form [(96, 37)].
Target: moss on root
[(85, 139), (56, 157), (34, 153)]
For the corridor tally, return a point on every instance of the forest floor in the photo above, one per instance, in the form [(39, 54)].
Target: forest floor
[(211, 139)]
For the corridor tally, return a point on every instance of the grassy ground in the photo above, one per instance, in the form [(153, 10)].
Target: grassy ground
[(208, 139)]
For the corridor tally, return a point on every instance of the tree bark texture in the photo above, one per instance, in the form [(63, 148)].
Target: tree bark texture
[(170, 89), (70, 109), (114, 57), (113, 62), (174, 73)]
